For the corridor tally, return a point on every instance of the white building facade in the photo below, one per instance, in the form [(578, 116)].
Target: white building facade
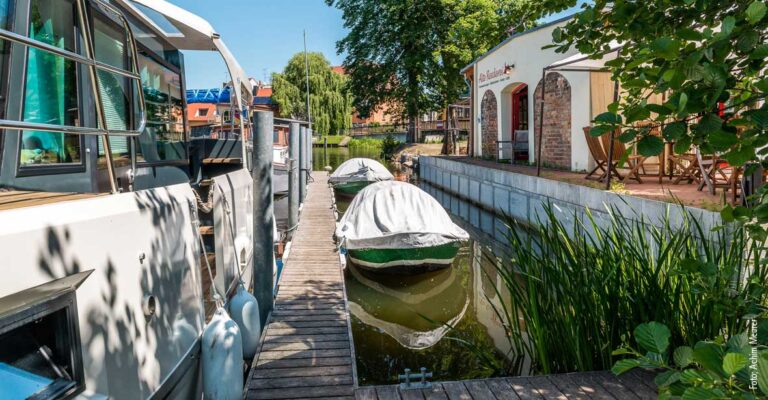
[(506, 100)]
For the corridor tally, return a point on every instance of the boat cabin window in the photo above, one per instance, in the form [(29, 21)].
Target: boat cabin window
[(40, 355), (6, 15), (61, 101), (118, 92), (51, 93), (164, 138)]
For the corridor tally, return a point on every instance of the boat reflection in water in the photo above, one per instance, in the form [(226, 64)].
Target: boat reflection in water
[(431, 320), (404, 307)]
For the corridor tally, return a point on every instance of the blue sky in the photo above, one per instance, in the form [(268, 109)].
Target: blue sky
[(262, 34)]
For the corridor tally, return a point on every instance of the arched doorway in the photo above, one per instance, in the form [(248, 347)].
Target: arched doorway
[(489, 124), (515, 119), (556, 141)]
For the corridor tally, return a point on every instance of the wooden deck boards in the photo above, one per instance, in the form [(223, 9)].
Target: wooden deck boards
[(18, 199), (306, 348), (575, 386)]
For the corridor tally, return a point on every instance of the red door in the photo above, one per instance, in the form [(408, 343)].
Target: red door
[(520, 110)]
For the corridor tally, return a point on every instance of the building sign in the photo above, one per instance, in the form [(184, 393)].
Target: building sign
[(495, 75), (492, 74)]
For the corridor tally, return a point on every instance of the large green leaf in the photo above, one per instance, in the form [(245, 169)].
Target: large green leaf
[(755, 12), (675, 130), (653, 336), (741, 155), (625, 365), (600, 130), (683, 356), (667, 378), (608, 118), (760, 118), (666, 48), (650, 146), (762, 371), (726, 27), (710, 356), (709, 123), (734, 362), (722, 140), (700, 393)]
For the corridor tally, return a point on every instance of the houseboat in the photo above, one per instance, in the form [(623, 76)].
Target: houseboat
[(108, 218)]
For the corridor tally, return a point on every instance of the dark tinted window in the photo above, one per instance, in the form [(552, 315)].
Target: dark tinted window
[(51, 90), (164, 137)]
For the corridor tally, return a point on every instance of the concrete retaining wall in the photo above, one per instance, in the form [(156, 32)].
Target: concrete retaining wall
[(524, 197)]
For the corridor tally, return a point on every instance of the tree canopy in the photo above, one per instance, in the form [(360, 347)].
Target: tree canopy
[(330, 99), (409, 53), (707, 58)]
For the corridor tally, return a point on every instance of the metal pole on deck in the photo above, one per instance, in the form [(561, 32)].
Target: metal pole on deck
[(303, 159), (310, 151), (293, 177), (263, 213), (539, 140)]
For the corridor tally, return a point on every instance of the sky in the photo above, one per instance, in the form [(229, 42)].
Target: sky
[(262, 34)]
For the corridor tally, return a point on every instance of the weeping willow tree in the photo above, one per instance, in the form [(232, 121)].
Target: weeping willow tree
[(329, 100)]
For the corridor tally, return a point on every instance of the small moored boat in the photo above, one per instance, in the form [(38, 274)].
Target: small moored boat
[(355, 174), (396, 227)]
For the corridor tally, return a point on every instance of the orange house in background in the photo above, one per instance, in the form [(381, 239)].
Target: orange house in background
[(379, 117), (201, 114)]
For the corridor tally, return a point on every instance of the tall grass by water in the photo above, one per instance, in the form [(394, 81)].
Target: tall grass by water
[(578, 289)]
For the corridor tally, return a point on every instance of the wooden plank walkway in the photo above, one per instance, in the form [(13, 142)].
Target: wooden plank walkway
[(580, 386), (306, 348)]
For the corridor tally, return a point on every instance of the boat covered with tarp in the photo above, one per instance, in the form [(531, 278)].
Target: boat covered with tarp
[(356, 173), (397, 227)]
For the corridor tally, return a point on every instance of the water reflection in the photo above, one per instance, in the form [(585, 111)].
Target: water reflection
[(403, 322), (403, 307)]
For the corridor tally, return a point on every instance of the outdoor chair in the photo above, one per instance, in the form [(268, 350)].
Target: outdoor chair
[(598, 154), (635, 162), (661, 159), (718, 173), (686, 167)]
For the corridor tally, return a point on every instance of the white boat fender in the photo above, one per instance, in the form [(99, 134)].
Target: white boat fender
[(244, 309), (222, 354)]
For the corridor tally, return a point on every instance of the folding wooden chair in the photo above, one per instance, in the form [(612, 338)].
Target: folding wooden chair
[(598, 154), (718, 173), (661, 159), (635, 162)]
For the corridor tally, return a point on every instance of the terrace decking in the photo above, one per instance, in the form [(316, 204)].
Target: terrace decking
[(306, 347), (588, 385)]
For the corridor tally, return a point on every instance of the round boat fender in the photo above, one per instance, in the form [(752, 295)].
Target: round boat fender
[(222, 358), (244, 309)]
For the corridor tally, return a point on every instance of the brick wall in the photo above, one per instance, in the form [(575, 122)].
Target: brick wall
[(490, 124), (557, 121)]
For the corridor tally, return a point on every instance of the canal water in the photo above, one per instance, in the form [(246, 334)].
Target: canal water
[(439, 320)]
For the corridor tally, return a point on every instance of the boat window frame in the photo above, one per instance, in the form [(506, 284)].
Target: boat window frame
[(144, 51), (5, 74), (85, 10), (23, 170), (92, 65)]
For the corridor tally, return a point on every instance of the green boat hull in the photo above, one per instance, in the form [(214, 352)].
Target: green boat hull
[(419, 259), (350, 188)]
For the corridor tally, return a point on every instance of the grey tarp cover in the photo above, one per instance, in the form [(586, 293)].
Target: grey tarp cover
[(360, 170), (396, 215)]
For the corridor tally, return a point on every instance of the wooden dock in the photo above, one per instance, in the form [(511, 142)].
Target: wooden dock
[(586, 386), (306, 348)]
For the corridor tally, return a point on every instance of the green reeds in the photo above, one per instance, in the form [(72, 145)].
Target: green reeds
[(578, 288)]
